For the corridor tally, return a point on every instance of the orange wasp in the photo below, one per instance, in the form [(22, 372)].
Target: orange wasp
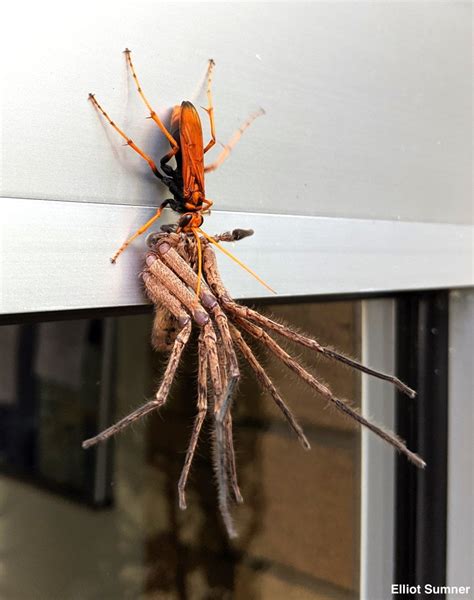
[(186, 181)]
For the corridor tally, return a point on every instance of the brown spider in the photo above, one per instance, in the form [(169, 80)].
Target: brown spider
[(170, 282)]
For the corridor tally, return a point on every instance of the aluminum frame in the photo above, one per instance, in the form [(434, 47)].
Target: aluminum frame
[(460, 553), (55, 255)]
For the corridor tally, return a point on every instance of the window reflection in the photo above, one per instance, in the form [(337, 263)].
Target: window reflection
[(299, 534), (50, 397)]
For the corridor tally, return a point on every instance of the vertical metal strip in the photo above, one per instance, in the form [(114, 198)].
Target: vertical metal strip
[(377, 461), (460, 551)]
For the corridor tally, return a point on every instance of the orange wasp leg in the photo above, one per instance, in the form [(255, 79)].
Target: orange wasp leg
[(167, 157), (227, 149), (139, 151), (129, 141), (206, 205), (199, 265), (210, 107), (153, 114), (139, 232)]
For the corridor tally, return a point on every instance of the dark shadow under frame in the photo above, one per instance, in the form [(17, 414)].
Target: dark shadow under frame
[(421, 496)]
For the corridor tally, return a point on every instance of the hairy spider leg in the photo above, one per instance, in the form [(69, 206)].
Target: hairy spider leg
[(160, 396), (212, 278), (171, 279), (231, 460), (179, 266), (259, 334), (226, 361), (267, 384), (235, 259), (222, 467), (153, 114), (298, 338), (227, 149), (199, 420)]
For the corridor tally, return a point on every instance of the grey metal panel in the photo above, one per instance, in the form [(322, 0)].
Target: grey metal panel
[(55, 255), (368, 104), (460, 551), (378, 464)]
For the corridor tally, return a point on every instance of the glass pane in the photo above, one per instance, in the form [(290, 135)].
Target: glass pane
[(49, 397), (299, 525)]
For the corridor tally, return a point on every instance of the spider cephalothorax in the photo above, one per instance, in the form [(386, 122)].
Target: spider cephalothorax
[(170, 281)]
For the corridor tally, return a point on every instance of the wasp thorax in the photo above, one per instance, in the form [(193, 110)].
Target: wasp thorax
[(190, 221)]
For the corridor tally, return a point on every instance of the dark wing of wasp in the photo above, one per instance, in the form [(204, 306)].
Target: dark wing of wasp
[(192, 149)]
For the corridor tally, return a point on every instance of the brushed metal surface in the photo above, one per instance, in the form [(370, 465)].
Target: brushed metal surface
[(55, 255), (368, 103)]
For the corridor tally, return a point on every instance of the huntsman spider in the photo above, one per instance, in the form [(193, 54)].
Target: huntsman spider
[(171, 283)]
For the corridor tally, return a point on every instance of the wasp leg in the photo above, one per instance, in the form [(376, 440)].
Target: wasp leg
[(166, 158), (153, 114), (142, 229), (227, 149), (210, 107), (129, 141), (206, 205)]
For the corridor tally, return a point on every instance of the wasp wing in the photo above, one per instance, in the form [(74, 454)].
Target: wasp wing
[(192, 150)]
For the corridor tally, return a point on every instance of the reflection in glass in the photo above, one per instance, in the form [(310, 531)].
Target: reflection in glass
[(50, 398), (298, 527)]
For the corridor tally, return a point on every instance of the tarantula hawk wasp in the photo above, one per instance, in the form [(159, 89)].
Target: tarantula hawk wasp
[(182, 280), (186, 181)]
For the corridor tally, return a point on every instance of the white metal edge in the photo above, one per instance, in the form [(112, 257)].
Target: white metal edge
[(55, 255), (378, 461), (460, 521)]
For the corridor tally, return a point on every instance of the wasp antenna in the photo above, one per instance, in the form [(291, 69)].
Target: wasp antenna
[(235, 259)]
